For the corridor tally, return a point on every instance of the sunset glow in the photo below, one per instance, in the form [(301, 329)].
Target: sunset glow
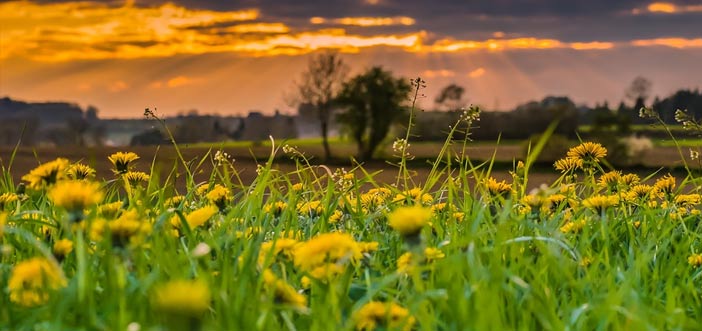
[(125, 54)]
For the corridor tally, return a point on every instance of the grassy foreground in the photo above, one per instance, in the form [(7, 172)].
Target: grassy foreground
[(596, 250)]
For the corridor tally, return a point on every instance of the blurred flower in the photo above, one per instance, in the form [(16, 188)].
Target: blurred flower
[(76, 195), (695, 260), (600, 202), (174, 201), (283, 247), (7, 198), (196, 218), (376, 315), (283, 293), (182, 298), (127, 228), (31, 281), (415, 195), (275, 208), (310, 208), (409, 221), (326, 253), (62, 248), (47, 174)]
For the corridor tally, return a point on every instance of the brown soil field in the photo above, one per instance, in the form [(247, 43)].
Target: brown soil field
[(246, 159)]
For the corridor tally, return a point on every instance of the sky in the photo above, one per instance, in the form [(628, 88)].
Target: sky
[(232, 57)]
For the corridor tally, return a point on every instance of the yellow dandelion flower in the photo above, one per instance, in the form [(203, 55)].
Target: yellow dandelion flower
[(197, 217), (588, 152), (610, 180), (415, 195), (80, 171), (219, 196), (182, 298), (136, 177), (369, 200), (76, 195), (498, 189), (47, 174), (665, 184), (62, 248), (432, 254), (298, 187), (282, 292), (202, 190), (585, 261), (310, 208), (535, 202), (275, 208), (122, 160), (110, 210), (640, 193), (376, 315), (7, 198), (282, 247), (383, 192), (568, 164), (630, 179), (574, 226), (174, 201), (368, 247), (329, 248), (32, 281), (688, 200), (336, 217), (405, 263), (439, 208), (248, 233), (600, 202), (127, 228), (409, 221), (695, 260), (3, 221), (556, 200)]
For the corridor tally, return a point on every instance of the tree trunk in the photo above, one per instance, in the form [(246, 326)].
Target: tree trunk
[(325, 140), (324, 127)]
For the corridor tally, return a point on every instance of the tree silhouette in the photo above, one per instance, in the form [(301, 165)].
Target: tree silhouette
[(451, 97), (373, 101), (319, 86)]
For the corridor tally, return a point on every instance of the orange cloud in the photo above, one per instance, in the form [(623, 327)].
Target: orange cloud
[(476, 73), (68, 31), (669, 42), (667, 8), (365, 21), (450, 45), (592, 45), (117, 86), (174, 82), (257, 28), (438, 73)]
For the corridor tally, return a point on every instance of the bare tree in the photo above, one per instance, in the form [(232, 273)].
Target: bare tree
[(319, 86)]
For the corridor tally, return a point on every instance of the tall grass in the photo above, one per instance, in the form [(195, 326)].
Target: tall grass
[(509, 259)]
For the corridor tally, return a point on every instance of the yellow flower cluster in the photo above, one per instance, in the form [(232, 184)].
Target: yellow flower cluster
[(32, 281)]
